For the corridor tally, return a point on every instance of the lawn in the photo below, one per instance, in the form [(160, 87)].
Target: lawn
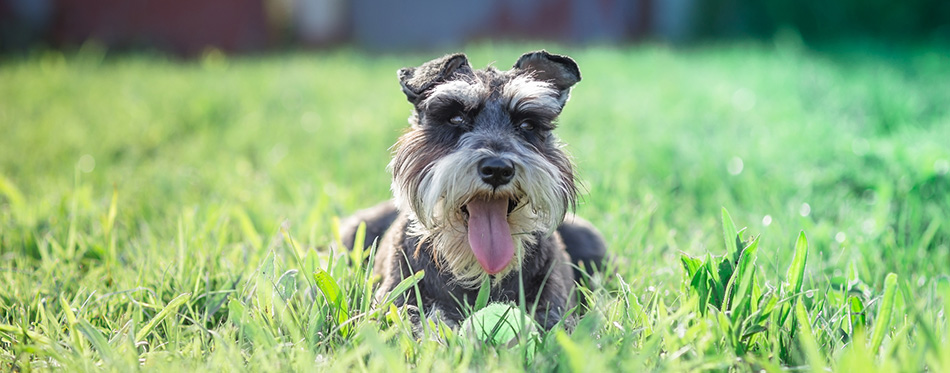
[(161, 214)]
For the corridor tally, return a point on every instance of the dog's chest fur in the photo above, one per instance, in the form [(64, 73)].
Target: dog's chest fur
[(546, 269)]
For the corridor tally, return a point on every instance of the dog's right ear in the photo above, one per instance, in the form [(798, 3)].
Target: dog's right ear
[(415, 81), (560, 70)]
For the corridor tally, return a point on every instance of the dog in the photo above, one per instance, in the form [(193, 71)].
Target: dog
[(482, 189)]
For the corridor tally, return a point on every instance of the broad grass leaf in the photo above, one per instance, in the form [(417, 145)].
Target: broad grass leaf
[(268, 268), (264, 285), (287, 284), (700, 283), (726, 270), (716, 283), (796, 274), (856, 313), (691, 265), (745, 274), (236, 312), (796, 271), (335, 299)]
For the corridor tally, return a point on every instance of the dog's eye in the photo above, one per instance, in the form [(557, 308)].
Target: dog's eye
[(526, 125), (457, 120)]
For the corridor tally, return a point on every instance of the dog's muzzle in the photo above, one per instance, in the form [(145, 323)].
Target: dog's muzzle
[(489, 233)]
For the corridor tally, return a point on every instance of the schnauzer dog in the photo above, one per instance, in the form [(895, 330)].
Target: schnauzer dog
[(482, 189)]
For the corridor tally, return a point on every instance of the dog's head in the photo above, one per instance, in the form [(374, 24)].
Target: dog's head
[(480, 169)]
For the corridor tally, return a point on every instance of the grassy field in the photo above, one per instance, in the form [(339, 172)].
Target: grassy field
[(158, 214)]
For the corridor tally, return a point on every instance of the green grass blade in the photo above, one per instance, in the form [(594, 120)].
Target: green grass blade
[(572, 353), (729, 235), (247, 227), (359, 241), (97, 340), (882, 324), (109, 220), (808, 342), (10, 191), (928, 235), (359, 245), (169, 308), (404, 286), (482, 300), (19, 330)]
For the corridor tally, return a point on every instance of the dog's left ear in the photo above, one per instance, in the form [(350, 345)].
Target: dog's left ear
[(415, 81), (560, 70)]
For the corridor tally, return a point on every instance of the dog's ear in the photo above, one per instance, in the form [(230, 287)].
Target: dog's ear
[(415, 81), (560, 70)]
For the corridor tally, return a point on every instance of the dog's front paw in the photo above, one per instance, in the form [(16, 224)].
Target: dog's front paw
[(430, 325), (416, 321), (413, 314)]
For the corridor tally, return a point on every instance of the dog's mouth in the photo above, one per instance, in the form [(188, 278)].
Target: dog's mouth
[(489, 233), (512, 205)]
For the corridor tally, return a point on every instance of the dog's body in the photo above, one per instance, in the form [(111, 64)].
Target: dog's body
[(482, 189)]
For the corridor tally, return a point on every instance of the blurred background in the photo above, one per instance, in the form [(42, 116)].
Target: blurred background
[(152, 148), (187, 27), (824, 116)]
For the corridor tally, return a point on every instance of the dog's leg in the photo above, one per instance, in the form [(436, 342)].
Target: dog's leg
[(378, 219), (584, 244), (555, 282)]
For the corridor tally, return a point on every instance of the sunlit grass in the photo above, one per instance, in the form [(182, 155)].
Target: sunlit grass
[(170, 214)]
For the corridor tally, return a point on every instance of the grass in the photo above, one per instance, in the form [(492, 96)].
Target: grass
[(158, 214)]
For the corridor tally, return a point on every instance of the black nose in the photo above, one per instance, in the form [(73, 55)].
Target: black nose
[(496, 171)]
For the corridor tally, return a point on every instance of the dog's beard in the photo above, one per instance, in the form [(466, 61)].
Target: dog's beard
[(538, 198)]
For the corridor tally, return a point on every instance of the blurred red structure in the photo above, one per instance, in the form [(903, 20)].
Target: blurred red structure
[(188, 27), (182, 26)]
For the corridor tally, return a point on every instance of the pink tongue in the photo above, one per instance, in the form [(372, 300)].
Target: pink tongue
[(489, 234)]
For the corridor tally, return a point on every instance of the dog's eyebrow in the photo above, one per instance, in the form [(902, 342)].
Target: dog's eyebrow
[(526, 94), (469, 94)]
